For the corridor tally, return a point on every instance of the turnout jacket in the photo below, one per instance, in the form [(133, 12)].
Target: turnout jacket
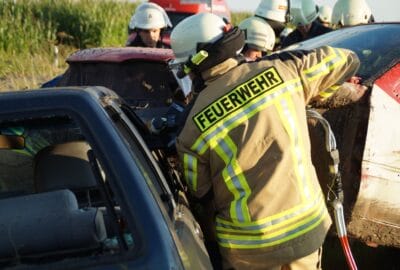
[(246, 139)]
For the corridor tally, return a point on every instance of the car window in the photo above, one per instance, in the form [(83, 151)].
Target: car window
[(16, 165), (376, 45), (55, 206), (148, 161), (142, 84)]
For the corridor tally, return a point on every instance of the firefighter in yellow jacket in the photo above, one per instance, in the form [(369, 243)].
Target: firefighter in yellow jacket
[(245, 143)]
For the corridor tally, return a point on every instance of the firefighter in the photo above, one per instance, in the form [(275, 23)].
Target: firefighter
[(147, 26), (245, 149), (325, 15), (260, 38), (305, 18), (351, 12), (276, 13)]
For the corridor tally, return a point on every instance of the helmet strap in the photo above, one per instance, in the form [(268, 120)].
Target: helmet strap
[(226, 47)]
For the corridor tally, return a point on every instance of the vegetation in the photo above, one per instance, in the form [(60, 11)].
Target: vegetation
[(37, 35)]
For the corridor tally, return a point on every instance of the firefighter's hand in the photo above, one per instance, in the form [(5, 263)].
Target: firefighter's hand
[(157, 125)]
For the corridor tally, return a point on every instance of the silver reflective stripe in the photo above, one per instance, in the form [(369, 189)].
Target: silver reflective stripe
[(236, 119)]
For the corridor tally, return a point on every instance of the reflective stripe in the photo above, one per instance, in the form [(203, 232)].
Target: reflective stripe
[(234, 180), (304, 225), (190, 170), (241, 232), (289, 224), (271, 223), (289, 119), (211, 137), (328, 92), (327, 64)]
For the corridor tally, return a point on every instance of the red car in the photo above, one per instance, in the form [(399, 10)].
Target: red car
[(141, 76), (178, 10)]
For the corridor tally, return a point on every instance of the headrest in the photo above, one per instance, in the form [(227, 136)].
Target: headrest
[(63, 166)]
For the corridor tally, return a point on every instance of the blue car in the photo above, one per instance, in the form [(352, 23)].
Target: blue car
[(82, 188)]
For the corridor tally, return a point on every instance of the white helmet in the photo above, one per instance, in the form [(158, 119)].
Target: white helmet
[(303, 12), (259, 34), (351, 12), (149, 16), (198, 28), (325, 14), (275, 10)]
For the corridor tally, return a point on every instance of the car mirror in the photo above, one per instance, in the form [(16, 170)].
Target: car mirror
[(12, 142)]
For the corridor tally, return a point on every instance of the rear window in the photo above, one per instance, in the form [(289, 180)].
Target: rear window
[(142, 84)]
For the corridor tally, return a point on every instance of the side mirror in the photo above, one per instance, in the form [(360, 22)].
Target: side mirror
[(12, 142)]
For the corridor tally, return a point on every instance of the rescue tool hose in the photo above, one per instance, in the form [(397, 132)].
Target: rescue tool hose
[(335, 193)]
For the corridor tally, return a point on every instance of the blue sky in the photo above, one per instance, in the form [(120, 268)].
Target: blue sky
[(383, 10)]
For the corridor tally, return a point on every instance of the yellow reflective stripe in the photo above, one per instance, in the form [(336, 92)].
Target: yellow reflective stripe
[(190, 171), (271, 223), (236, 98), (24, 152), (235, 180), (266, 240), (329, 92), (337, 58), (210, 137), (288, 116), (296, 221)]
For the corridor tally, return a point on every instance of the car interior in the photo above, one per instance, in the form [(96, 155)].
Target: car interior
[(53, 205)]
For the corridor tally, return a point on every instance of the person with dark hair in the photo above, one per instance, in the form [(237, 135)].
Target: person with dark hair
[(260, 38), (351, 12), (147, 25), (276, 14), (305, 18), (325, 16)]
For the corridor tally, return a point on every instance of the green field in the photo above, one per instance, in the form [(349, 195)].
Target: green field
[(37, 35)]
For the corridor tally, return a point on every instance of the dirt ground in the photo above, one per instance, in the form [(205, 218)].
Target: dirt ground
[(369, 258)]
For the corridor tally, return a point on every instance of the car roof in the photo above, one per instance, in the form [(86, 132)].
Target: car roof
[(377, 46), (121, 54)]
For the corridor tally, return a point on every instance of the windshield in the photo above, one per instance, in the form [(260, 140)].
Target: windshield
[(377, 46)]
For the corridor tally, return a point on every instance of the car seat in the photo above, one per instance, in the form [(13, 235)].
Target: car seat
[(66, 166), (48, 223)]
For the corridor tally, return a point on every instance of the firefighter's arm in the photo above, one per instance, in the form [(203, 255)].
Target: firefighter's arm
[(195, 170), (325, 69)]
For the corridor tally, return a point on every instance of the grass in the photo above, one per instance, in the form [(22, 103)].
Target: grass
[(28, 51), (31, 31)]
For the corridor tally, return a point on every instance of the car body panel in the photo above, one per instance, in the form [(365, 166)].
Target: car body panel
[(367, 133), (137, 187), (377, 208)]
